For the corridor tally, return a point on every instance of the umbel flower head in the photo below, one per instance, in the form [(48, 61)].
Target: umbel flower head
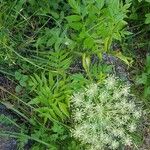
[(106, 115)]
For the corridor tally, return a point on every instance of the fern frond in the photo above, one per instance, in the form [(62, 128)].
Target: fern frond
[(59, 60), (52, 95)]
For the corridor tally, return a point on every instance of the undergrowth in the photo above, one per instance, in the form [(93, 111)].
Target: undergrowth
[(53, 49)]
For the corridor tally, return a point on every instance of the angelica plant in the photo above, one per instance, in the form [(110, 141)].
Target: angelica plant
[(106, 115)]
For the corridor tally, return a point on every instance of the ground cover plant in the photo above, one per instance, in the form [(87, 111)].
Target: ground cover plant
[(59, 56)]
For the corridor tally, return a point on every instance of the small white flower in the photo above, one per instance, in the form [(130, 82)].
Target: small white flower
[(118, 132), (66, 43), (132, 127), (131, 106), (77, 132), (114, 145), (117, 94), (126, 118), (137, 114), (99, 109), (91, 148), (93, 127), (88, 106), (77, 99), (110, 82), (78, 115), (91, 115), (92, 90), (106, 138), (86, 139), (128, 141), (98, 146), (103, 97), (125, 90)]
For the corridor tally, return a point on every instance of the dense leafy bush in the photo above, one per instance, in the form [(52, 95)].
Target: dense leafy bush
[(53, 49)]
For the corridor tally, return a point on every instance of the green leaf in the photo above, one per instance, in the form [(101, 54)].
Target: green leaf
[(142, 79), (86, 62), (147, 91), (52, 113), (57, 128), (54, 14), (22, 83), (147, 20), (18, 75), (100, 3), (127, 60), (73, 18), (75, 5), (18, 88), (88, 43), (57, 111), (63, 108), (24, 78), (34, 101), (76, 25), (148, 61), (147, 1)]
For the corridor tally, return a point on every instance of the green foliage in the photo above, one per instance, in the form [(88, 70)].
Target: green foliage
[(97, 25), (99, 71), (49, 49), (78, 81), (59, 60), (39, 135), (52, 96), (144, 79), (22, 79), (147, 21), (6, 120)]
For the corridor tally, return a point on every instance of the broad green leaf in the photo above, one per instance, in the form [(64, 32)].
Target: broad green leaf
[(100, 3), (54, 14), (73, 18), (147, 1), (18, 75), (22, 83), (57, 128), (147, 21), (127, 60), (34, 101), (76, 25), (147, 91), (88, 43), (74, 4), (24, 78), (86, 62)]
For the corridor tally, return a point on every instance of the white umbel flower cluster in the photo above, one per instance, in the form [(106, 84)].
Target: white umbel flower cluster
[(105, 116)]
